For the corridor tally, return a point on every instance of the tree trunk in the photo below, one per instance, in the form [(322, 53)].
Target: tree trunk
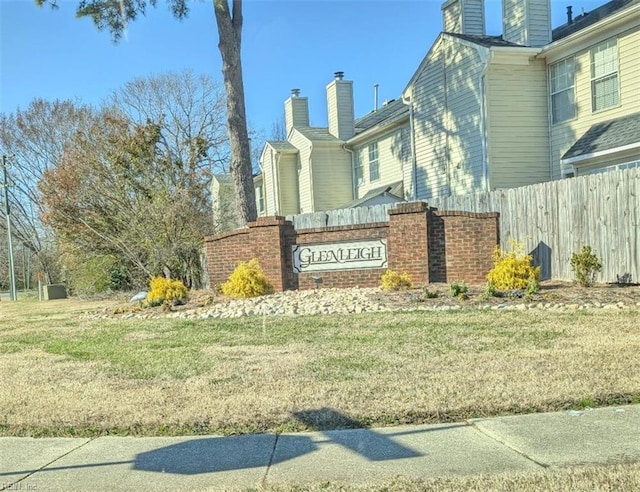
[(230, 33)]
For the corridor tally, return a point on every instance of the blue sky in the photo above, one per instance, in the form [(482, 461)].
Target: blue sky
[(286, 44)]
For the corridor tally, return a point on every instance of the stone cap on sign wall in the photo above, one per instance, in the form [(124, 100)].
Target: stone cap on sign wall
[(409, 208), (353, 227), (271, 220), (461, 213)]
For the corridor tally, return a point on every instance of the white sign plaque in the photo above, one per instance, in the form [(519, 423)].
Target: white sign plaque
[(339, 256)]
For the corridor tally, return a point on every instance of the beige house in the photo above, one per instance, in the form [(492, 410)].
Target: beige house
[(594, 84), (480, 113)]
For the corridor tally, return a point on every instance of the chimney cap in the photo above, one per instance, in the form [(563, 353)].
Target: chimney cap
[(338, 75), (295, 92)]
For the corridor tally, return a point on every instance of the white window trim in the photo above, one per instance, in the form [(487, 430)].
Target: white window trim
[(604, 76), (359, 165), (376, 161), (571, 87)]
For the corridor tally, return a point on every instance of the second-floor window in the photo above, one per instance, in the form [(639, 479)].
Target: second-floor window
[(374, 164), (563, 105), (604, 75), (359, 172), (260, 198)]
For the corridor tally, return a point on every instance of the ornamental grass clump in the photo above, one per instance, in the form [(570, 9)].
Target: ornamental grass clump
[(166, 291), (392, 281), (247, 280), (512, 270)]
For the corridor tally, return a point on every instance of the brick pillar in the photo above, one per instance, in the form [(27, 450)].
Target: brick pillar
[(267, 236), (470, 239), (407, 244)]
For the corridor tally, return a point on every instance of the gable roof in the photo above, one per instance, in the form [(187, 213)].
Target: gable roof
[(281, 146), (392, 191), (316, 134), (487, 41), (617, 134), (588, 18), (388, 112)]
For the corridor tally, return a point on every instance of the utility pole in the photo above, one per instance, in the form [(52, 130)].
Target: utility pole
[(12, 273)]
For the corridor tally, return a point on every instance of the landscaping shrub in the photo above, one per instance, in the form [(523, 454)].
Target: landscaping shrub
[(458, 290), (247, 280), (512, 269), (585, 266), (166, 290), (392, 281)]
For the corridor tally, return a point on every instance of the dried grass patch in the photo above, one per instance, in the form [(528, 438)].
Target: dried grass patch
[(625, 476), (165, 377)]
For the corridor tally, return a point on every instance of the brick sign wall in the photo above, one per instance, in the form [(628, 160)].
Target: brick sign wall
[(431, 245)]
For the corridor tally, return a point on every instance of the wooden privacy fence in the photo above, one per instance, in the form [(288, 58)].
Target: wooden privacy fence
[(553, 220)]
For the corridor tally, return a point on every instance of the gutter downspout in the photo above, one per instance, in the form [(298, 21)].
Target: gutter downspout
[(273, 185), (264, 195), (486, 56), (279, 188), (311, 196), (354, 184), (412, 140)]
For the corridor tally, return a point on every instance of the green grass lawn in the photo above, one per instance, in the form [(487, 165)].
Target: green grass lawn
[(65, 375)]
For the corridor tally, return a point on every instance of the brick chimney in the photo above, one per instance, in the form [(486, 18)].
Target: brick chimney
[(463, 17), (340, 107), (527, 22), (296, 111)]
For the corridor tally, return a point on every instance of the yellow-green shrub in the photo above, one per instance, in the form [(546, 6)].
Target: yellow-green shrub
[(585, 266), (166, 290), (392, 280), (513, 269), (247, 280)]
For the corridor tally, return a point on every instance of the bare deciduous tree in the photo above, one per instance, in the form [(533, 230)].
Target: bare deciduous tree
[(115, 16)]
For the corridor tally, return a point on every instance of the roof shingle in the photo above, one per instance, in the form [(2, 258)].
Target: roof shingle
[(607, 135)]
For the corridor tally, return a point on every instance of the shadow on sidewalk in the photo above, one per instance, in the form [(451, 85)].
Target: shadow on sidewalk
[(217, 454), (210, 455)]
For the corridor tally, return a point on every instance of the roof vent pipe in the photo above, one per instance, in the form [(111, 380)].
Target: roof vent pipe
[(338, 75), (569, 14), (295, 92), (375, 97)]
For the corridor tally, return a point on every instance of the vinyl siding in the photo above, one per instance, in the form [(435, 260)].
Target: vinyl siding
[(607, 161), (331, 177), (474, 17), (448, 123), (428, 96), (514, 21), (269, 183), (340, 109), (464, 124), (564, 135), (464, 16), (452, 17), (304, 171), (539, 23), (288, 179), (296, 112), (527, 22), (394, 157), (518, 138)]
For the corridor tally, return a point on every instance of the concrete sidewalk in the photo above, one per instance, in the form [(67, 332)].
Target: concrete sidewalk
[(482, 446)]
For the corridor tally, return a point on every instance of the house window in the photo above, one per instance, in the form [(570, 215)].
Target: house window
[(358, 170), (260, 198), (563, 104), (604, 75), (374, 164)]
